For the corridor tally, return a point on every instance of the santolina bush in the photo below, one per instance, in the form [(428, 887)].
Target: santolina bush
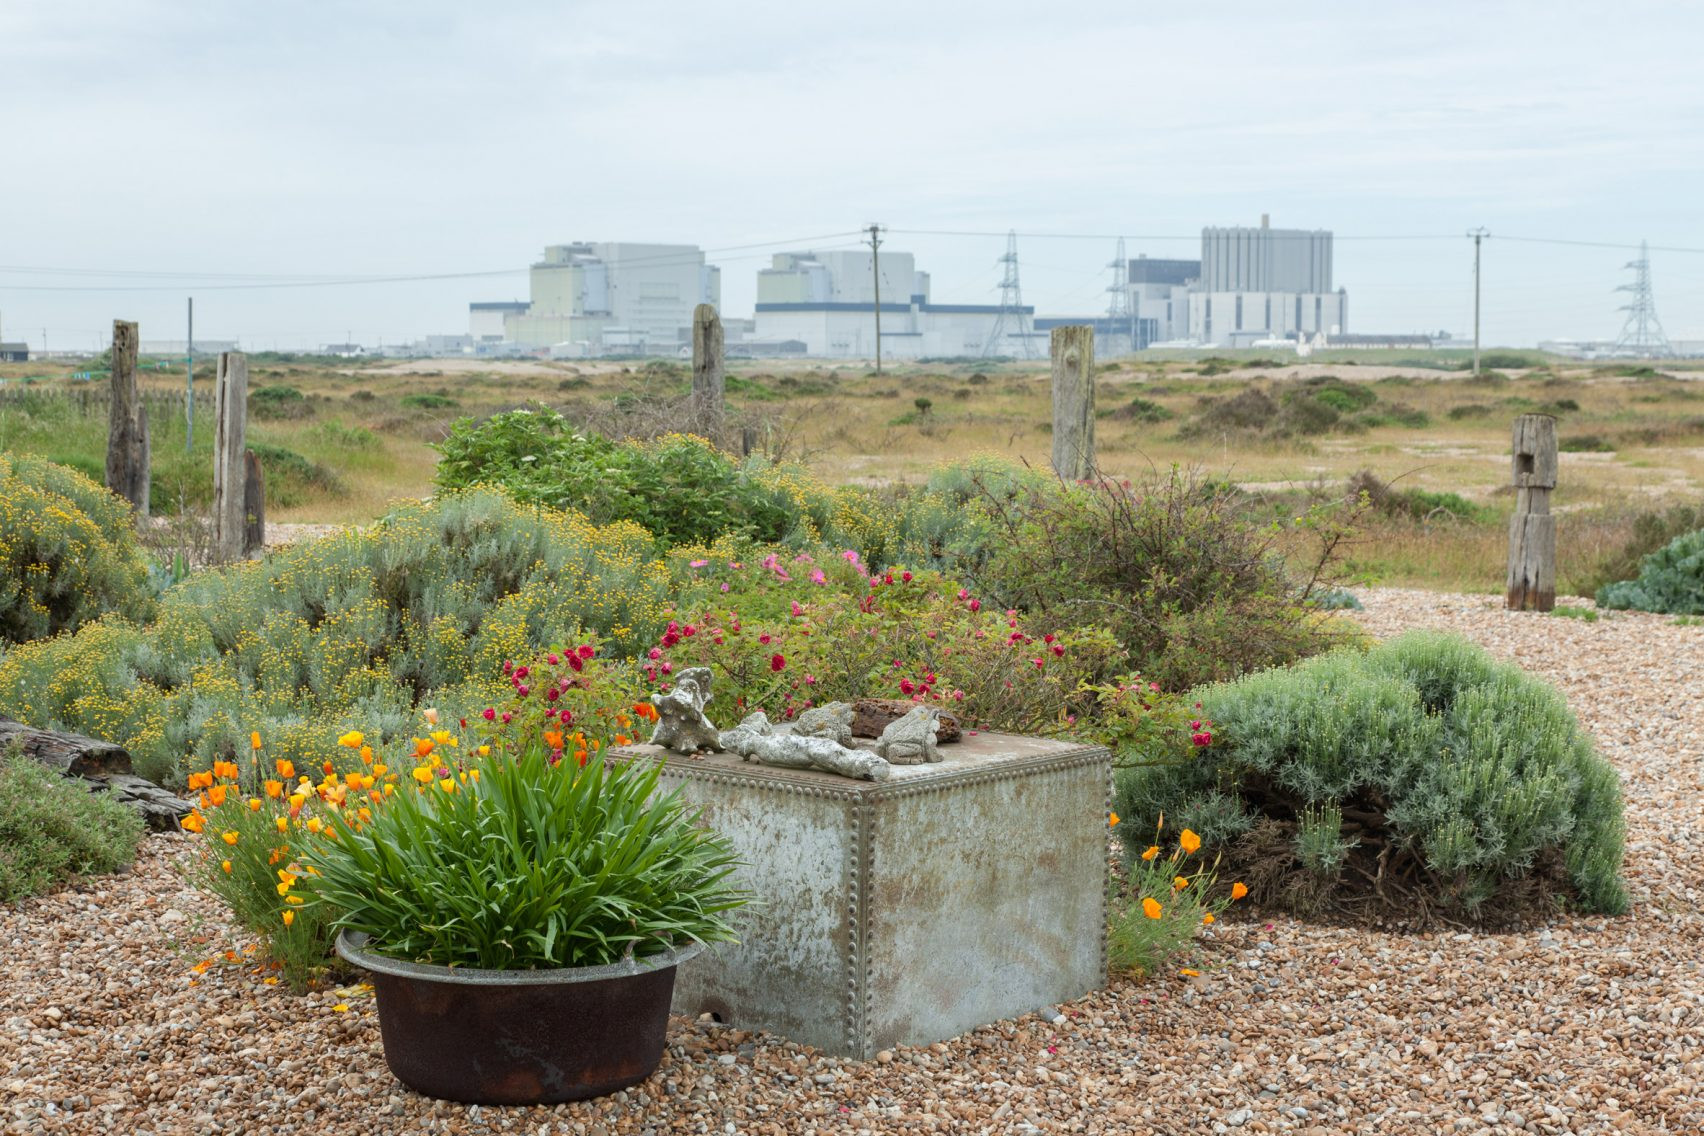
[(1422, 771), (68, 552), (357, 630)]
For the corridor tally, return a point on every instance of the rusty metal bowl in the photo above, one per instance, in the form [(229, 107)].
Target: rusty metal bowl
[(520, 1036)]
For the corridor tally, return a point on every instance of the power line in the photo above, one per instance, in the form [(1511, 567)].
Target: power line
[(258, 281)]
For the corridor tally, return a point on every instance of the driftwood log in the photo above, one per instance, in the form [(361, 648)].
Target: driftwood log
[(102, 766), (870, 716)]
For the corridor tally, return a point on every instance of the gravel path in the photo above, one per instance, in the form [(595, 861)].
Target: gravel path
[(1588, 1025)]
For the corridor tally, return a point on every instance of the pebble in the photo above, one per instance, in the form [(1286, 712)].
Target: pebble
[(1350, 1030)]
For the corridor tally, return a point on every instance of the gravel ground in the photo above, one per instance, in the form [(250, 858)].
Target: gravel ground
[(1587, 1025)]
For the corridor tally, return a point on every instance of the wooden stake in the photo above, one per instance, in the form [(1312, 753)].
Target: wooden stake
[(1073, 350), (127, 424), (230, 424), (1532, 530), (709, 378), (254, 504)]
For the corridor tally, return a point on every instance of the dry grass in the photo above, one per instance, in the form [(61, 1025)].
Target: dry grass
[(852, 426)]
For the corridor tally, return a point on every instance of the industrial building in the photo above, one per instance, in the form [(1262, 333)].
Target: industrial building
[(827, 301), (602, 298), (1263, 284)]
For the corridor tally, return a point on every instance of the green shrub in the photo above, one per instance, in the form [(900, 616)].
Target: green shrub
[(1459, 780), (279, 402), (68, 552), (681, 489), (1142, 410), (1585, 444), (1187, 581), (292, 479), (1670, 580), (1417, 504), (426, 400), (52, 828)]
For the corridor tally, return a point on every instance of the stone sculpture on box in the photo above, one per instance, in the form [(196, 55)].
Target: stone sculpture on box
[(755, 739), (681, 724), (832, 720), (911, 740)]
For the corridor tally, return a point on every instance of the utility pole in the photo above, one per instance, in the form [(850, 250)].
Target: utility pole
[(189, 382), (876, 277), (1478, 235)]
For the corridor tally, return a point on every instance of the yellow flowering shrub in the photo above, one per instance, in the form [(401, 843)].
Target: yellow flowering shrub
[(68, 552)]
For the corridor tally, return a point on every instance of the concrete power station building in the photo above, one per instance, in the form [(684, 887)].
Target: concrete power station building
[(827, 301), (605, 297), (1264, 283)]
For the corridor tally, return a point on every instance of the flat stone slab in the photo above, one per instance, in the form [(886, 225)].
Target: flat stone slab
[(906, 911)]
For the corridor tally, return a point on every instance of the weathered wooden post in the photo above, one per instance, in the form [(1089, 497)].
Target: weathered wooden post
[(230, 469), (127, 424), (254, 505), (1532, 530), (1073, 350), (709, 380)]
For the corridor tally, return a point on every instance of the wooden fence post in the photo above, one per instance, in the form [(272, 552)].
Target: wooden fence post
[(709, 380), (127, 424), (1532, 530), (1073, 350), (230, 425), (254, 504)]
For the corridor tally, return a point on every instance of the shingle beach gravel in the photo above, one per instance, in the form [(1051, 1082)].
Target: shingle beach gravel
[(1585, 1025)]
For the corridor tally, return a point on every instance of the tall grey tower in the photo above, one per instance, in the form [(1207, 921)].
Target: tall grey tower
[(1012, 320), (1118, 311), (1642, 334)]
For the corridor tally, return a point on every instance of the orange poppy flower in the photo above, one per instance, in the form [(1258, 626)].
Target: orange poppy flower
[(254, 740), (228, 837), (1238, 890), (1153, 850), (423, 747), (275, 788), (1151, 907), (1189, 841), (285, 769), (193, 822), (289, 918)]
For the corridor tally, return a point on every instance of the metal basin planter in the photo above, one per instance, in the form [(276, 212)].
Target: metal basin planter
[(520, 1036)]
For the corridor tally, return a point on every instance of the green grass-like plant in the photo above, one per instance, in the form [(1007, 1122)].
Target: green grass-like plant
[(52, 829), (1456, 777), (534, 865)]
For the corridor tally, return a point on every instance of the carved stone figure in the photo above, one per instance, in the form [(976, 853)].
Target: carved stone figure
[(832, 721), (911, 740), (755, 739), (681, 724)]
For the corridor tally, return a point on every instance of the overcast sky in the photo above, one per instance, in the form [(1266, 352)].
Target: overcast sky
[(218, 143)]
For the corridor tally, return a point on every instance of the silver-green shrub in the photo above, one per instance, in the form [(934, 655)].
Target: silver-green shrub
[(354, 631), (1464, 771)]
